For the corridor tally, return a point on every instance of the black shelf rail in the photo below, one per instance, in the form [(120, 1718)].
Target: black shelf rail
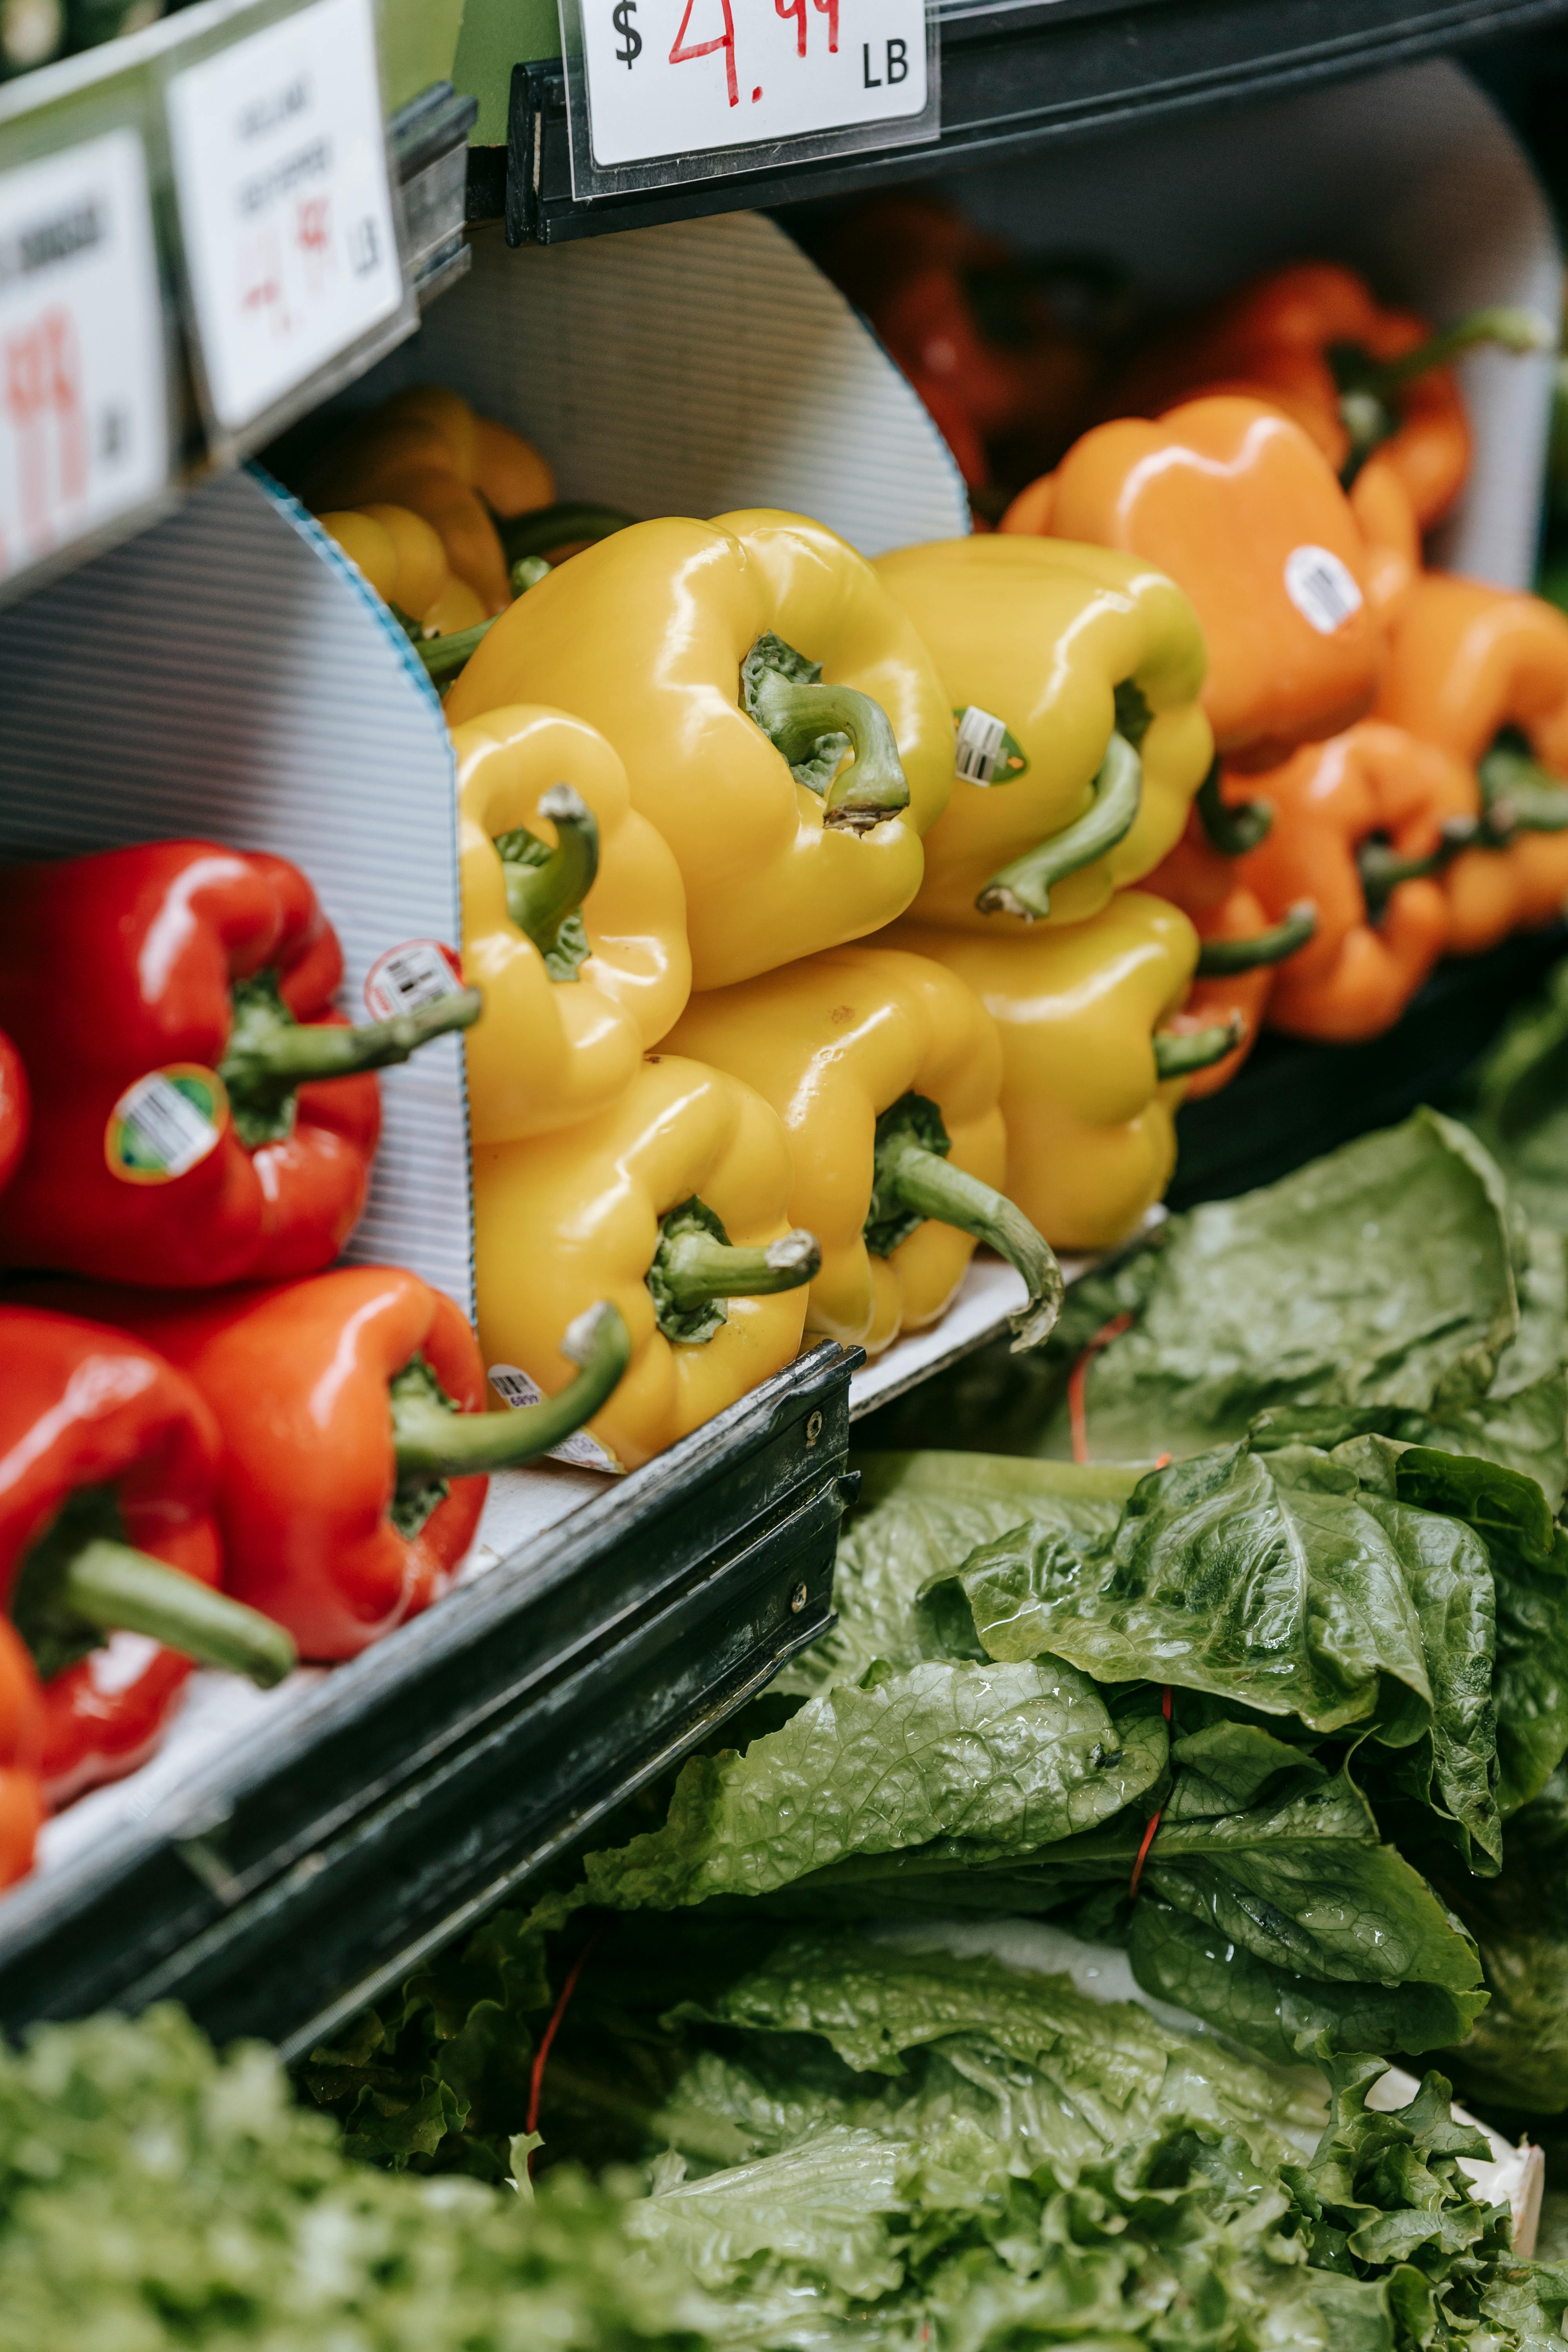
[(1014, 78)]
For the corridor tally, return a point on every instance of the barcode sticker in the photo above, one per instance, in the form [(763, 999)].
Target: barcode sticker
[(420, 972), (1321, 588), (584, 1453), (285, 207), (980, 740), (84, 425), (165, 1124)]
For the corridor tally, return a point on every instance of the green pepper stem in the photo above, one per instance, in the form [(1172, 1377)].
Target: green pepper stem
[(527, 573), (813, 725), (539, 898), (568, 524), (267, 1055), (928, 1185), (444, 656), (1513, 328), (1024, 887), (431, 1440), (1382, 869), (1233, 827), (1521, 795), (698, 1269), (1180, 1052), (117, 1590), (1216, 957)]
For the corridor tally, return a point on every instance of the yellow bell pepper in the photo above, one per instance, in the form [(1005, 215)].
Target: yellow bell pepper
[(1092, 1072), (886, 1071), (1087, 664), (695, 647), (672, 1205), (401, 557), (577, 943), (425, 449)]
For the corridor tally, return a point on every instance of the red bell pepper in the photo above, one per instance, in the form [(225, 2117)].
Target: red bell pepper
[(352, 1436), (109, 1463), (199, 1115), (21, 1747), (15, 1110)]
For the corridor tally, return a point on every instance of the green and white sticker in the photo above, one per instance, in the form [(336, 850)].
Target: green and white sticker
[(165, 1124)]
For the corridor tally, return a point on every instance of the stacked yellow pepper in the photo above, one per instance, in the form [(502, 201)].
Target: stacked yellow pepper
[(798, 890)]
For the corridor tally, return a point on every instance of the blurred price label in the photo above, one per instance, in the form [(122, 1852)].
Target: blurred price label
[(84, 427), (666, 77), (280, 167)]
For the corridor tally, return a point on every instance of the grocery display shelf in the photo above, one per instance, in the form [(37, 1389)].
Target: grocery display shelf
[(1016, 76), (355, 1821)]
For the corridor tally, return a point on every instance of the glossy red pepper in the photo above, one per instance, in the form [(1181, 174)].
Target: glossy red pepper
[(170, 1004), (353, 1437), (15, 1110), (21, 1750), (108, 1464)]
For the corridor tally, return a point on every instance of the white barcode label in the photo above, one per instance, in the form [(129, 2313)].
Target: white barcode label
[(981, 738), (165, 1124), (1321, 588), (418, 972), (514, 1388)]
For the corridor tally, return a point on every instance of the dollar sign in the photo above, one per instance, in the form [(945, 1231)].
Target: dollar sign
[(621, 17)]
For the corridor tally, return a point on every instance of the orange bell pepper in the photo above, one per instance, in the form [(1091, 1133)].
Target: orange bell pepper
[(1314, 340), (1239, 948), (1234, 503), (1363, 826), (1483, 673)]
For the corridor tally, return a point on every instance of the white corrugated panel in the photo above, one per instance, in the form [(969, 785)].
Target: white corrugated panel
[(687, 370), (227, 674)]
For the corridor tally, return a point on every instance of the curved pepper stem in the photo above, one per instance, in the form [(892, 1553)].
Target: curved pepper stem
[(115, 1589), (1369, 388), (573, 522), (1508, 324), (1024, 887), (545, 887), (1382, 868), (1217, 957), (444, 656), (913, 1180), (270, 1055), (1230, 827), (813, 726), (1181, 1052), (433, 1442), (1520, 795), (697, 1267)]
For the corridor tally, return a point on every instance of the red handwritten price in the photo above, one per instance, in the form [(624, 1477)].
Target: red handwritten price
[(751, 75)]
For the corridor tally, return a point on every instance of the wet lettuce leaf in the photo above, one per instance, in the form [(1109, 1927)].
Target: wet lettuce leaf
[(1381, 1275), (1282, 1583), (1517, 1103), (1516, 2055)]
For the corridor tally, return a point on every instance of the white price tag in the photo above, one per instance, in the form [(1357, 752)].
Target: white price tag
[(1323, 589), (668, 76), (421, 972), (84, 428), (280, 167)]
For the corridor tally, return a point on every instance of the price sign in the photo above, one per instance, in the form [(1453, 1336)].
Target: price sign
[(84, 426), (668, 77), (280, 168)]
